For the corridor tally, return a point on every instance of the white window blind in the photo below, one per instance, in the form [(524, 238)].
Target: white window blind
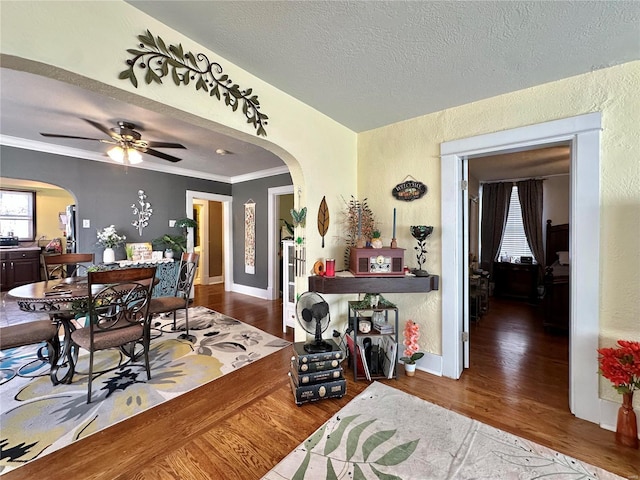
[(514, 240)]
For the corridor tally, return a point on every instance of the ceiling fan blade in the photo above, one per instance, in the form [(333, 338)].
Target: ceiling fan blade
[(165, 145), (158, 154), (103, 129), (55, 135)]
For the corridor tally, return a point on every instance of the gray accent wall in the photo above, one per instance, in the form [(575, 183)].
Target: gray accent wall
[(104, 193), (257, 190)]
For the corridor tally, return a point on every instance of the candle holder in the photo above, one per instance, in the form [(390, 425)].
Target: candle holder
[(394, 244), (420, 233)]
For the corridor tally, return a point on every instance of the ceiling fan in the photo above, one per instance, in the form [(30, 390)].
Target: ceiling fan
[(128, 143)]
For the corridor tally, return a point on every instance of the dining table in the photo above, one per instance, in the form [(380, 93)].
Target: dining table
[(61, 299), (66, 301)]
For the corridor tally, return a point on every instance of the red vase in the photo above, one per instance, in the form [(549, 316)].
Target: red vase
[(627, 427)]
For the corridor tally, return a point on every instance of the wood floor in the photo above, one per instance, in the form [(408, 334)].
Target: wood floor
[(241, 425)]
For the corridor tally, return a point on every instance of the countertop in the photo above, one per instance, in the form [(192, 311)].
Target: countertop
[(19, 249)]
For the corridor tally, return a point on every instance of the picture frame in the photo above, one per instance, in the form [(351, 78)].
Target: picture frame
[(139, 251)]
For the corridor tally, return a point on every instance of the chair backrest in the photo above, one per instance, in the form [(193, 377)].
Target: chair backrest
[(119, 298), (186, 274), (66, 265)]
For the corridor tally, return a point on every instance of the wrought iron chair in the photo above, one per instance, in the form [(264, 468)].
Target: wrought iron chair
[(30, 333), (66, 265), (118, 314), (180, 298)]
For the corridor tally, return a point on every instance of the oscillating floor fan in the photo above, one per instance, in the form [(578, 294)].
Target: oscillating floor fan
[(312, 313)]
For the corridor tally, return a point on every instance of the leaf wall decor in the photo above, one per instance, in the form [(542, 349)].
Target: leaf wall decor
[(159, 60), (323, 219)]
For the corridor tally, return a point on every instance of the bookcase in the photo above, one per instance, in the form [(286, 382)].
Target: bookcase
[(288, 285), (374, 354)]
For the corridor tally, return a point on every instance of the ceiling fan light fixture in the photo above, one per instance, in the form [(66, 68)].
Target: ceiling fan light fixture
[(222, 151), (116, 154), (129, 156), (134, 156)]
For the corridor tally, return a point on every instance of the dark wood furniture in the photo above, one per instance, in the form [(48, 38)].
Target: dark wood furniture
[(18, 267), (515, 280), (350, 284), (60, 299), (556, 280), (66, 265), (118, 316)]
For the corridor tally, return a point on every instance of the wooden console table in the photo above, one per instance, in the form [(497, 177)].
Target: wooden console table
[(341, 284)]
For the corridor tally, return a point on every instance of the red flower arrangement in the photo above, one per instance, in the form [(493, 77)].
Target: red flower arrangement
[(621, 366)]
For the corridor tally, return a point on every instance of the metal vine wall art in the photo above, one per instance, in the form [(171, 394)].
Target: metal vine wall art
[(159, 61), (144, 212)]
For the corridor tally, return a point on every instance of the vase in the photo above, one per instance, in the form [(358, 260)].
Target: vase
[(410, 369), (168, 253), (376, 243), (108, 256), (627, 427)]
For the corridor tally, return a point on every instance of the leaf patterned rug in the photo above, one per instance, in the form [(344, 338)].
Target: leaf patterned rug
[(38, 418), (384, 433)]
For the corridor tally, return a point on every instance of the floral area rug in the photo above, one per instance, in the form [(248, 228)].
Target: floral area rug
[(384, 433), (37, 418)]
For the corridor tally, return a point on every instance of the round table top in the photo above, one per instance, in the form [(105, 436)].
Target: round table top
[(53, 291), (61, 290)]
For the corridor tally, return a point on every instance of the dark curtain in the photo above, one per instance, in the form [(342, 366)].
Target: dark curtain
[(495, 206), (530, 196)]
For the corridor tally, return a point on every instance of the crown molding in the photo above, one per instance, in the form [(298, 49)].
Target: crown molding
[(44, 147)]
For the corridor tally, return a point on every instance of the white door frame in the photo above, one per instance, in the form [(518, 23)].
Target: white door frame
[(583, 132), (273, 291), (226, 232), (202, 274)]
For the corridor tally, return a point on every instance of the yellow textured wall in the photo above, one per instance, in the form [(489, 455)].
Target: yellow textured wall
[(90, 50), (388, 154), (49, 204)]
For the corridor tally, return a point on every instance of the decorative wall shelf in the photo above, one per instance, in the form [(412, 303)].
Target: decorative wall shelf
[(350, 284)]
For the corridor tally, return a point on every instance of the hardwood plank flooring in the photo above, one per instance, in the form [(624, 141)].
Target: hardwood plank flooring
[(241, 425)]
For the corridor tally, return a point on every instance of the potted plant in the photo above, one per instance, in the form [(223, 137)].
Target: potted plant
[(411, 353), (108, 237), (376, 240), (175, 244), (410, 363)]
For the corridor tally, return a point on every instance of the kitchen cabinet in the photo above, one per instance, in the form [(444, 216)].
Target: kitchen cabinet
[(19, 267)]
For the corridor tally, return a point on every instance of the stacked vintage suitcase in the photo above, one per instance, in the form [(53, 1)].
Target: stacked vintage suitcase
[(316, 376)]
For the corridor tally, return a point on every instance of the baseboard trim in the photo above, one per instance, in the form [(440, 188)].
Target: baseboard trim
[(609, 415), (430, 363), (252, 291)]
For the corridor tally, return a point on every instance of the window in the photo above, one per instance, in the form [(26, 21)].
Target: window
[(514, 240), (18, 214)]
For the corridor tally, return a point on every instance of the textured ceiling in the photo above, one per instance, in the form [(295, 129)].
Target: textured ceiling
[(372, 63), (363, 63)]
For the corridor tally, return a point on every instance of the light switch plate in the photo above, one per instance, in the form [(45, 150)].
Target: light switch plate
[(172, 223), (86, 223)]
